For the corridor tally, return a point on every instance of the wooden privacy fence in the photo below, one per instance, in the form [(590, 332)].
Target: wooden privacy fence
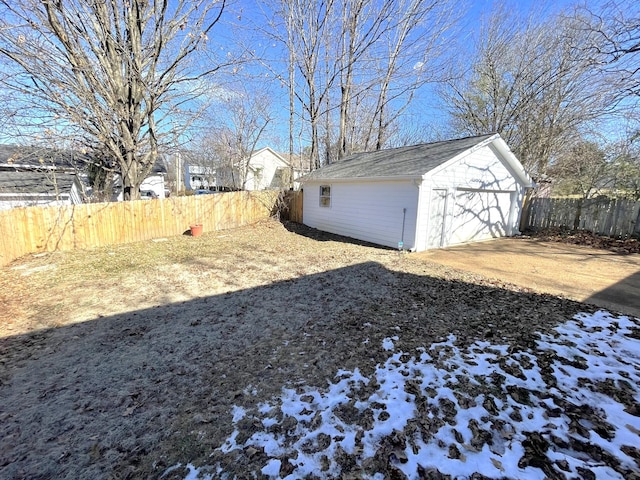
[(604, 216), (39, 229), (292, 210)]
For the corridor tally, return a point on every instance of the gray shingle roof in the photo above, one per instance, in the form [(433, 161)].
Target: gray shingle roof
[(40, 158), (35, 182), (33, 158), (415, 160)]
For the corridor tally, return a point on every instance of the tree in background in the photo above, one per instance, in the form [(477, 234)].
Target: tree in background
[(530, 82), (235, 124), (409, 54), (583, 170), (249, 115), (626, 168), (615, 42), (113, 73), (354, 66), (101, 176)]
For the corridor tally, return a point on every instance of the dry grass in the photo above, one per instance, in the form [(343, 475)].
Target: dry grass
[(59, 288), (119, 362)]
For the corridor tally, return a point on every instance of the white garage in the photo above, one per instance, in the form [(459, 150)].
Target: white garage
[(420, 197)]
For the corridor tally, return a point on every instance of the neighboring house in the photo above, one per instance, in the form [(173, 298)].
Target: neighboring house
[(420, 197), (57, 170), (268, 170), (153, 186), (265, 170), (41, 188), (201, 177), (32, 176)]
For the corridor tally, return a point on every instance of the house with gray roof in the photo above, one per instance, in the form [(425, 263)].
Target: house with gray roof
[(38, 188), (32, 176), (420, 197)]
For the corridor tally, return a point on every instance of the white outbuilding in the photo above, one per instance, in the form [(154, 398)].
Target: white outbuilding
[(420, 197)]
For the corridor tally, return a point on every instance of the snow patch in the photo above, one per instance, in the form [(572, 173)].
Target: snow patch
[(514, 396)]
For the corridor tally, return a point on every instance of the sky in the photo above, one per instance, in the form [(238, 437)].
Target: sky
[(244, 16), (426, 108), (467, 422)]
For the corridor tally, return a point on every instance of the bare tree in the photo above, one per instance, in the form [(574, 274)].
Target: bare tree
[(310, 22), (626, 167), (114, 72), (241, 121), (529, 82), (302, 28), (614, 42), (357, 65), (408, 54), (388, 51), (583, 170), (362, 25)]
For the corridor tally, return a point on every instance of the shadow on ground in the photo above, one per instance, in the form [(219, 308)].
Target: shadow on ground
[(322, 236), (129, 395), (624, 295)]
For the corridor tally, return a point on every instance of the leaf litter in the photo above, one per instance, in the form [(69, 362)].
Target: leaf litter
[(125, 362), (564, 427)]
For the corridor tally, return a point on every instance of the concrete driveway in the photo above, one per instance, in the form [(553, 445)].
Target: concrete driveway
[(606, 279)]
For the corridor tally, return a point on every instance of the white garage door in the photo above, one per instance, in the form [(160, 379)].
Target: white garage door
[(479, 215)]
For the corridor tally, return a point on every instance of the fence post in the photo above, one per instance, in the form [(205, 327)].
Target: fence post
[(526, 211), (610, 217), (27, 230)]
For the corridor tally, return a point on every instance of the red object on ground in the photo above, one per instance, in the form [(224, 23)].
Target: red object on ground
[(196, 230)]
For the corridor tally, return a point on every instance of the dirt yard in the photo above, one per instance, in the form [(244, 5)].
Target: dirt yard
[(605, 277), (136, 360)]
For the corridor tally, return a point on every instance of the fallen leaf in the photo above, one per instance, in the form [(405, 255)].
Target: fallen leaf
[(130, 410), (497, 464), (633, 429), (507, 435)]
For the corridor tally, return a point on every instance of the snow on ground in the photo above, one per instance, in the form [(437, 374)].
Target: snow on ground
[(568, 406)]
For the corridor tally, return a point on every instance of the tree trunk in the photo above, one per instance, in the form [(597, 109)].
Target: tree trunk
[(130, 180), (576, 218)]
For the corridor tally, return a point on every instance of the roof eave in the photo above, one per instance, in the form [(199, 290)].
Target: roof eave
[(516, 167), (390, 178), (34, 194)]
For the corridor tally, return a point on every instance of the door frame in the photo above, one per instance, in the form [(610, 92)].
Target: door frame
[(443, 223)]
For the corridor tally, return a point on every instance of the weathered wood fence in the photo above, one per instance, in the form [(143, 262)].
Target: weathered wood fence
[(611, 217), (292, 210), (39, 229)]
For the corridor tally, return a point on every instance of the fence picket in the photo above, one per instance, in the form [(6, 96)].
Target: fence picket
[(36, 229), (611, 217)]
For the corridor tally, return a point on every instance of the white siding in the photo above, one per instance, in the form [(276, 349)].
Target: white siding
[(34, 201), (264, 163), (155, 183), (75, 196), (483, 200), (481, 170), (369, 211), (437, 217), (479, 215)]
